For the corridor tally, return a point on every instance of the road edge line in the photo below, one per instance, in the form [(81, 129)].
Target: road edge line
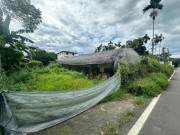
[(141, 121)]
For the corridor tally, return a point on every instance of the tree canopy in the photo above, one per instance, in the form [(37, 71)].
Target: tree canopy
[(42, 55), (109, 46), (23, 11), (12, 43), (137, 45)]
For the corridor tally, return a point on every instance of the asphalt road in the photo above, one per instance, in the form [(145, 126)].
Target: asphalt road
[(165, 117)]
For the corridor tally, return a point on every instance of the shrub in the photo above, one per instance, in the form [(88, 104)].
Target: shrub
[(34, 63), (124, 70), (145, 86), (160, 79), (155, 66), (21, 76), (167, 70), (54, 64), (150, 85)]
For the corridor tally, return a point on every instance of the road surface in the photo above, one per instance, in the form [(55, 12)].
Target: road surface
[(165, 117)]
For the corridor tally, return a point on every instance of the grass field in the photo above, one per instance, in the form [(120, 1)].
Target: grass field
[(51, 78)]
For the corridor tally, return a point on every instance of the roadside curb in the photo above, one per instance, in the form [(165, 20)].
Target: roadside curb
[(171, 76), (141, 121)]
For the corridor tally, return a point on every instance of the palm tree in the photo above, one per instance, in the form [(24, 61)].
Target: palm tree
[(145, 39), (154, 4), (118, 45), (161, 38), (110, 46), (156, 41), (99, 48)]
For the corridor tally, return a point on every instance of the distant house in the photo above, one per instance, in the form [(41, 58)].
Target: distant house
[(65, 54), (103, 62)]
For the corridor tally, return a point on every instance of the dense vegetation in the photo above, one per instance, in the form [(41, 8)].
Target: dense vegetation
[(51, 78), (149, 78), (136, 44), (12, 43), (176, 62)]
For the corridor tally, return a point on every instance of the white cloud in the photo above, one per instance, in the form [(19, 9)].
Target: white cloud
[(81, 25)]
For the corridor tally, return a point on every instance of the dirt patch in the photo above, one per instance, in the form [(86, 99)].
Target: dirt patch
[(91, 121)]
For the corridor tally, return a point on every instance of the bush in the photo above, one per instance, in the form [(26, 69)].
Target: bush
[(159, 79), (149, 86), (21, 76), (145, 87), (34, 63), (124, 71), (167, 70), (154, 66)]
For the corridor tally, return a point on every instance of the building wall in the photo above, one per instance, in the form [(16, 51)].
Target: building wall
[(62, 55)]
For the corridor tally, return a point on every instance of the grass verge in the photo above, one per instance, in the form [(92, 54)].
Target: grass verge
[(149, 86), (110, 128), (113, 128), (125, 117), (140, 101)]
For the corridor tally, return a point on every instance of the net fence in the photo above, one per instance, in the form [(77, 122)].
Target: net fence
[(22, 113)]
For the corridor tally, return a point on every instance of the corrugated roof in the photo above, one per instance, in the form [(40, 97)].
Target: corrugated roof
[(104, 57)]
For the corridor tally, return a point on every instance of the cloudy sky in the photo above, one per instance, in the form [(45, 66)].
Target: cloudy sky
[(82, 25)]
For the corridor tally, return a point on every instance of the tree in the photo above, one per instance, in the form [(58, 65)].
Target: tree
[(118, 45), (99, 48), (109, 46), (165, 54), (176, 62), (145, 38), (41, 55), (23, 11), (156, 41), (137, 45), (13, 44), (161, 38), (154, 4)]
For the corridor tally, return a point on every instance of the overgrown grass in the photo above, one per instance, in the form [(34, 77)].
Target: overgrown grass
[(147, 78), (121, 94), (110, 128), (52, 78), (150, 85), (125, 117), (52, 82), (113, 128), (140, 101)]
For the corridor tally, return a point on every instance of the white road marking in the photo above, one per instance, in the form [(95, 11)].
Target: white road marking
[(141, 121)]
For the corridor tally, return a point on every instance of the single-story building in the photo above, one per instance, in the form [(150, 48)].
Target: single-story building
[(103, 62)]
